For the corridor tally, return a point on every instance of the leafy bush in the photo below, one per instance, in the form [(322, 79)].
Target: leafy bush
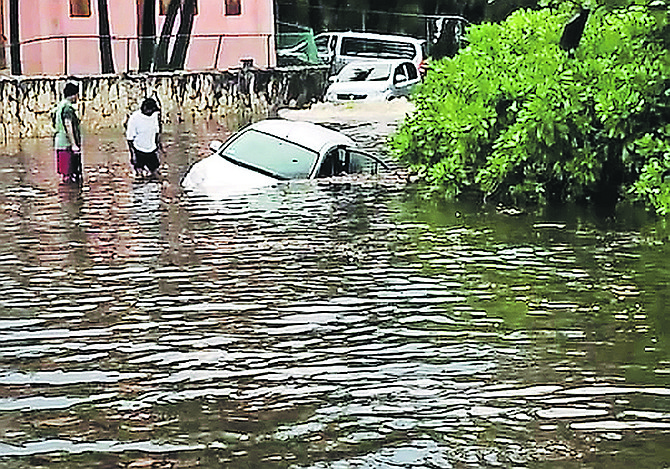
[(515, 117)]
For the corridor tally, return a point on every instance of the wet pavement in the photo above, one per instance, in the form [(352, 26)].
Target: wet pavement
[(332, 324)]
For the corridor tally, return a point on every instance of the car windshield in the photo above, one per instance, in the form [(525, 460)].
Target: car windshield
[(365, 72), (271, 155)]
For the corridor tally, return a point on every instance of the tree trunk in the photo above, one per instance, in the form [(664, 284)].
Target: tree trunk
[(147, 34), (106, 59), (161, 60), (14, 38), (178, 58)]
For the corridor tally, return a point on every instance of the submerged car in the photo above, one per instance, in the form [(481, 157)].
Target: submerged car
[(379, 80), (275, 150)]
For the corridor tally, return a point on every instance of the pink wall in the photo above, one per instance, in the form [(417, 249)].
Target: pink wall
[(249, 35), (255, 26)]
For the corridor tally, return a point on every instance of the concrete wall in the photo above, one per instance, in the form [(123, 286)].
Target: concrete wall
[(107, 100)]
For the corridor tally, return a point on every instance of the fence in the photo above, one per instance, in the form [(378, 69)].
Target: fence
[(80, 54)]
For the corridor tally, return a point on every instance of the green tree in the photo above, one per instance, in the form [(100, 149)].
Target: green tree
[(14, 37), (106, 58), (147, 34), (515, 118), (178, 58), (161, 59), (185, 11)]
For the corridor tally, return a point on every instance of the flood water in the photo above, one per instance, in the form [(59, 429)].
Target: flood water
[(344, 324)]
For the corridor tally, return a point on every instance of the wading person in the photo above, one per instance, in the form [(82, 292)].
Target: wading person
[(143, 135), (67, 141)]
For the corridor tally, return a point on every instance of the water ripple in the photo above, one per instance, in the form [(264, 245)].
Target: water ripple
[(320, 325)]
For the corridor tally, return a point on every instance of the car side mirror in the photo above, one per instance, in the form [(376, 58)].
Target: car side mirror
[(215, 146), (400, 78), (332, 78)]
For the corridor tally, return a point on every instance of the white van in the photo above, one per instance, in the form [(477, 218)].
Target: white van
[(341, 48)]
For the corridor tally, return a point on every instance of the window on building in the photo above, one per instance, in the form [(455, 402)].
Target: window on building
[(163, 6), (233, 7), (80, 8)]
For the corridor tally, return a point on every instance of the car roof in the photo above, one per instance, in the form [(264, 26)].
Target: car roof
[(312, 136), (387, 37)]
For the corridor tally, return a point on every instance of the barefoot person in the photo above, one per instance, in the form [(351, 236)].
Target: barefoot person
[(67, 141), (143, 135)]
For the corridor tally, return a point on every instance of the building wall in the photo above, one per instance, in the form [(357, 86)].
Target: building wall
[(249, 35), (191, 97)]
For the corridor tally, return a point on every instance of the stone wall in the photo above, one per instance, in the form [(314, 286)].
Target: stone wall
[(107, 100)]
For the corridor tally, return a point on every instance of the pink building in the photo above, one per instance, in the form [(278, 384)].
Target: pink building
[(60, 37)]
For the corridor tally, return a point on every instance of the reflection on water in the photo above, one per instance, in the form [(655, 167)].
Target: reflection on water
[(319, 325)]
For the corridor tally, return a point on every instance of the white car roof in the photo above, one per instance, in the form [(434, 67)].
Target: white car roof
[(315, 137)]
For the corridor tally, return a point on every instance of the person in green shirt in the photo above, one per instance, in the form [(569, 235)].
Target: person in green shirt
[(67, 141)]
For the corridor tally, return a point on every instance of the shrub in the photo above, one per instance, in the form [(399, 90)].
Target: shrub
[(518, 119)]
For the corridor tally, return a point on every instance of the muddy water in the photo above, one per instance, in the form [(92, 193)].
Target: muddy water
[(332, 325)]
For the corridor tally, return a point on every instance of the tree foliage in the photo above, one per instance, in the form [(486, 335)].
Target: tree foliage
[(515, 117)]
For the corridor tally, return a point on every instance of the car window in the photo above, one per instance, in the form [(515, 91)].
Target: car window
[(400, 74), (348, 161), (334, 163), (271, 155), (365, 72), (360, 162), (412, 71)]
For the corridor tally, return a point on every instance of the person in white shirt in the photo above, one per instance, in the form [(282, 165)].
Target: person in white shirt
[(143, 135)]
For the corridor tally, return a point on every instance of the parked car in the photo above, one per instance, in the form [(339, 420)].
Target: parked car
[(378, 80), (276, 150), (341, 48)]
